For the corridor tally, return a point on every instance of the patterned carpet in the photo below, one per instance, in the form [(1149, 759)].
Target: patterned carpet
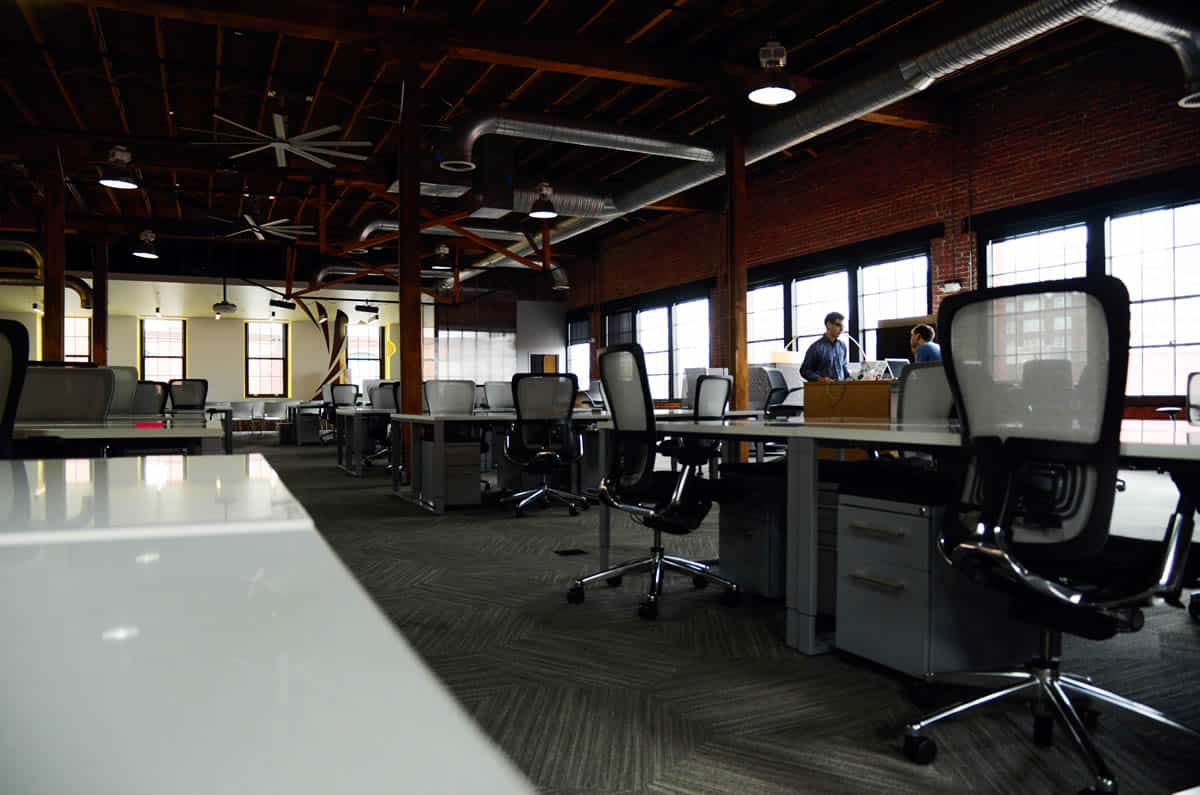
[(708, 699)]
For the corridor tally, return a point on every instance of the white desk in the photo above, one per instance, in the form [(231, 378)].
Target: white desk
[(1143, 442), (176, 624), (191, 434)]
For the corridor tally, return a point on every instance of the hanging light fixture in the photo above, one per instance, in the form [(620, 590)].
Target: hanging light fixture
[(543, 208), (145, 248), (774, 88), (117, 174), (280, 303), (442, 262), (223, 307), (37, 309)]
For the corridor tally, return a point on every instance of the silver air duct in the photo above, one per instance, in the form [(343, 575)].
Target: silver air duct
[(460, 156), (1180, 36), (841, 107)]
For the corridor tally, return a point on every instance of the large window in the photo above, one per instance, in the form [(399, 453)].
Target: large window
[(690, 335), (764, 322), (579, 351), (618, 328), (1156, 253), (364, 353), (77, 339), (428, 342), (654, 335), (894, 289), (477, 356), (266, 359), (813, 298), (1058, 253), (164, 346)]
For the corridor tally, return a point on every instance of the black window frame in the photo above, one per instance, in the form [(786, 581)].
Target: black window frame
[(379, 328), (247, 358), (90, 345), (142, 345)]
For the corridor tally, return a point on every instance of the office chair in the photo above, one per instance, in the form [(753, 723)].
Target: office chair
[(1033, 517), (383, 396), (710, 402), (445, 396), (149, 398), (66, 394), (662, 501), (543, 438), (125, 380), (481, 403), (498, 395), (14, 360), (343, 395), (188, 394), (1193, 418), (778, 392), (244, 411)]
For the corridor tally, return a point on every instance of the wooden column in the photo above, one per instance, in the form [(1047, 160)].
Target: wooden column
[(100, 303), (409, 243), (54, 249), (732, 276)]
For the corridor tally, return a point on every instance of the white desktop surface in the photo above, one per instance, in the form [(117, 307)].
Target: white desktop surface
[(579, 415), (116, 429), (176, 625), (351, 411)]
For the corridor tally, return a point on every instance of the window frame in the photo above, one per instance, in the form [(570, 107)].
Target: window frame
[(285, 359), (142, 345), (785, 285), (347, 358), (88, 356)]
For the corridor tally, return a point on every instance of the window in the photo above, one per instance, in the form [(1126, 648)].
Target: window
[(77, 339), (815, 297), (764, 323), (899, 288), (654, 335), (1059, 253), (266, 360), (1156, 253), (579, 351), (618, 328), (364, 353), (428, 342), (477, 356), (690, 334), (163, 349)]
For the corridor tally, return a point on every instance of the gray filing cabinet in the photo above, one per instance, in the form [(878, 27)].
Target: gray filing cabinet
[(899, 604), (454, 484)]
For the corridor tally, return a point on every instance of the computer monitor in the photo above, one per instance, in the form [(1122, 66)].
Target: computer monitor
[(897, 366)]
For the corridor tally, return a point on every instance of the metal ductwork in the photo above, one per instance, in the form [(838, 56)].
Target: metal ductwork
[(566, 202), (460, 157), (36, 277), (837, 107), (384, 225), (1183, 37)]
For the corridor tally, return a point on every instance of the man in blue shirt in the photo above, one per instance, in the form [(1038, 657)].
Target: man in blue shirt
[(826, 358), (924, 348)]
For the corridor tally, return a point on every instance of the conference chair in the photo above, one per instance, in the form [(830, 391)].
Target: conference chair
[(499, 395), (777, 393), (383, 396), (664, 502), (710, 401), (481, 403), (188, 394), (543, 439), (125, 380), (343, 395), (66, 394), (245, 411), (14, 360), (149, 398), (449, 396), (1033, 518)]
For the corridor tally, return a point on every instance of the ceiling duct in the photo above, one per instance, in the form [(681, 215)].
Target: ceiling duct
[(839, 106), (387, 225), (459, 154), (1182, 37), (36, 276)]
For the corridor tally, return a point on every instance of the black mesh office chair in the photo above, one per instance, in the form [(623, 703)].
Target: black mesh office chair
[(1041, 420), (188, 394), (14, 358), (1193, 418), (344, 395), (663, 501), (711, 402), (543, 438), (779, 392), (149, 398)]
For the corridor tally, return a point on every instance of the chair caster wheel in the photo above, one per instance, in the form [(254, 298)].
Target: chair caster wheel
[(731, 598), (613, 582), (921, 750), (573, 511), (648, 611), (699, 582), (1043, 731), (575, 595), (1194, 607)]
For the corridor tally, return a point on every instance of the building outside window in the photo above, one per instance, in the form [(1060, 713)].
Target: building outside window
[(654, 335), (77, 339), (895, 289), (476, 355), (164, 346), (1058, 253), (579, 351), (814, 297), (689, 340), (266, 359), (364, 353), (764, 322)]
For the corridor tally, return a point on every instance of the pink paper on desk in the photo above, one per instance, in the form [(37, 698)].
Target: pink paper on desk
[(148, 424)]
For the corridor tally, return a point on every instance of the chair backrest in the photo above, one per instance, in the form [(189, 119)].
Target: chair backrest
[(344, 394), (274, 409), (711, 398), (925, 394), (500, 394), (443, 396), (1038, 376), (125, 385), (384, 396), (480, 397), (149, 397), (66, 394), (627, 387), (245, 409), (327, 393), (595, 393), (368, 389), (544, 403), (188, 394), (14, 359), (1193, 399), (777, 387)]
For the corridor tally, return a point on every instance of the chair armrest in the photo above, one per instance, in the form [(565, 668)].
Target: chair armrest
[(606, 496)]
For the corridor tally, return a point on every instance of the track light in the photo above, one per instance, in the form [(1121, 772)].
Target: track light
[(442, 261), (37, 309), (276, 302), (367, 308), (774, 87), (117, 174), (543, 208), (145, 249)]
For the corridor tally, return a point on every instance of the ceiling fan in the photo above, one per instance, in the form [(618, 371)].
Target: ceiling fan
[(307, 145), (281, 227)]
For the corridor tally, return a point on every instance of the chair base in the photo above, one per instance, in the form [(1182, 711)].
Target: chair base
[(1052, 692), (546, 494)]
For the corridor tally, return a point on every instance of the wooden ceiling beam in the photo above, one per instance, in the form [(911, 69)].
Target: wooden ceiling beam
[(914, 113)]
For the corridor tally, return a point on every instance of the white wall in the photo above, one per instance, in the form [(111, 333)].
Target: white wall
[(29, 321), (541, 329)]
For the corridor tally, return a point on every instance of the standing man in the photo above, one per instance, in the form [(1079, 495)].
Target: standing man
[(827, 358), (923, 347)]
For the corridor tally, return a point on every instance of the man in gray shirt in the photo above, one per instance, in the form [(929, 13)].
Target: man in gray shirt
[(827, 358)]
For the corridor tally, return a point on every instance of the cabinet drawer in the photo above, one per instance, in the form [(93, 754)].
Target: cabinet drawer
[(462, 455), (883, 614), (884, 537)]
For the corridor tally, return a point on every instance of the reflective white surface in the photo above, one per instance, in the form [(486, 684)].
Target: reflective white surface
[(118, 429), (178, 626)]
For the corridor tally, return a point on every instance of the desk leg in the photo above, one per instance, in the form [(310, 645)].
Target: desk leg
[(227, 424), (604, 542), (439, 467), (802, 556)]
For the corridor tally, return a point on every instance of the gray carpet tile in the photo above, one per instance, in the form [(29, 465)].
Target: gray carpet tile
[(708, 699)]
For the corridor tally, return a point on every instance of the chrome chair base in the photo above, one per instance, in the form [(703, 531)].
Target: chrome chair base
[(546, 494), (1051, 691)]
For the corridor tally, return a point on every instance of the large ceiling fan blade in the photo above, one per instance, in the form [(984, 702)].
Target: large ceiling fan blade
[(336, 143), (277, 233), (258, 234), (313, 158), (308, 136), (250, 130), (280, 157), (331, 152), (280, 125), (250, 151), (239, 232), (276, 222)]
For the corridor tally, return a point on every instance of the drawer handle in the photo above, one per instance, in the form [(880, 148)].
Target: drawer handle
[(891, 586), (878, 532)]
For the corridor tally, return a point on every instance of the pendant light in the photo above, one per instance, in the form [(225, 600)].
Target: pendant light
[(774, 87), (117, 174), (145, 248), (442, 261), (223, 307), (543, 208)]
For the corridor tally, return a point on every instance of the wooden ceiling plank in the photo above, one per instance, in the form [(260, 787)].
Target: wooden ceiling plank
[(266, 93), (334, 25), (572, 58), (106, 61), (654, 22), (17, 102), (601, 11), (537, 11), (36, 32), (161, 47)]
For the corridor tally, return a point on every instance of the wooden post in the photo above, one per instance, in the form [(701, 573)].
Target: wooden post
[(54, 249), (732, 278), (100, 303), (409, 253)]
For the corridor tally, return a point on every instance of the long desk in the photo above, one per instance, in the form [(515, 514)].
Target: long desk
[(1143, 443), (177, 624), (351, 434), (192, 435)]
